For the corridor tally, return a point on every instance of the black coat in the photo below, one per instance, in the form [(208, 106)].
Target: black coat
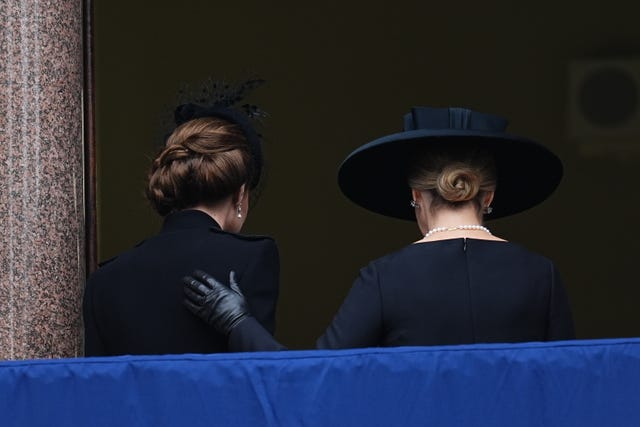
[(133, 303), (454, 291)]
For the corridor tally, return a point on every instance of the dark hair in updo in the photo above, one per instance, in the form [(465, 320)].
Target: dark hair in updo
[(204, 160), (454, 175)]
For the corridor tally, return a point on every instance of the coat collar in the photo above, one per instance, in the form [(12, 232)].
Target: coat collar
[(188, 219)]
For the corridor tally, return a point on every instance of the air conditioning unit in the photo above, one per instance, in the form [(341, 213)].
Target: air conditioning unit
[(604, 105)]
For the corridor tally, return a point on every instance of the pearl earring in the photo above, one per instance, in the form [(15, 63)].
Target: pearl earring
[(239, 215), (414, 204), (487, 210)]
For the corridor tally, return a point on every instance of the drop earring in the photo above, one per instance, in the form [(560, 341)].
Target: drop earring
[(414, 204), (239, 211)]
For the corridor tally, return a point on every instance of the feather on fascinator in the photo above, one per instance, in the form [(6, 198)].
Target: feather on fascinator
[(219, 99)]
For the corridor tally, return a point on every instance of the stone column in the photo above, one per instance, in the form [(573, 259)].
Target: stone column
[(42, 254)]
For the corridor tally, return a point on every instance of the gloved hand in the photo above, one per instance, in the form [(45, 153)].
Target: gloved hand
[(221, 306)]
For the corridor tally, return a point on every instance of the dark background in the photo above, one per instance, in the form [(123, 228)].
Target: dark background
[(343, 73)]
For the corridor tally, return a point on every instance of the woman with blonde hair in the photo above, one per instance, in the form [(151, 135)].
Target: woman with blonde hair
[(448, 170)]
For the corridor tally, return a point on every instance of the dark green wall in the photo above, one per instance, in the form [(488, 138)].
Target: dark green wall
[(343, 73)]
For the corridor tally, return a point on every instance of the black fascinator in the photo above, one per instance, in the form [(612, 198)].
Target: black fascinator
[(223, 100)]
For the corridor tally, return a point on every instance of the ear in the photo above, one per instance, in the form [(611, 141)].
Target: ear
[(417, 195), (239, 196), (488, 198)]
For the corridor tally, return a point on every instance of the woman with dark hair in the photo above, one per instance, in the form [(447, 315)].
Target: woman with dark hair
[(200, 184), (459, 283)]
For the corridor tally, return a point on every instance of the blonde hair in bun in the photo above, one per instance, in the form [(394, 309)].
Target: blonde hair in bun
[(453, 176), (457, 182)]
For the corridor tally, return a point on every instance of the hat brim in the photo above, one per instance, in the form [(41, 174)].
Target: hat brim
[(374, 175)]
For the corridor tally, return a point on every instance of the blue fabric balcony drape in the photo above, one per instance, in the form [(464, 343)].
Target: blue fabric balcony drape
[(572, 383)]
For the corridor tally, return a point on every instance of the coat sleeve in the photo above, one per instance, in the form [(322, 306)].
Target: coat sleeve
[(260, 283), (93, 345), (358, 322), (560, 322), (249, 335)]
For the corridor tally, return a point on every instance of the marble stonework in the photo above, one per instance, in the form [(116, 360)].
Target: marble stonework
[(42, 265)]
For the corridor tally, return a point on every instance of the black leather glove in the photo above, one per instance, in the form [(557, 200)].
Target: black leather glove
[(221, 306)]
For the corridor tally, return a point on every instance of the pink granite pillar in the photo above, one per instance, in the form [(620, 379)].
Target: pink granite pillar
[(42, 257)]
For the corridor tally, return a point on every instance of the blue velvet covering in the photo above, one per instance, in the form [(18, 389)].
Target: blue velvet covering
[(578, 383)]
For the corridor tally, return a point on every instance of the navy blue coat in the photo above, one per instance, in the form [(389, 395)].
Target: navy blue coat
[(455, 291), (133, 303)]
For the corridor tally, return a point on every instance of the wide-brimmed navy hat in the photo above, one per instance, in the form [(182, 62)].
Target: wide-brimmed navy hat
[(374, 176)]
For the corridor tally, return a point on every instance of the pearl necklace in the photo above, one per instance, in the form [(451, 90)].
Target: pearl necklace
[(457, 227)]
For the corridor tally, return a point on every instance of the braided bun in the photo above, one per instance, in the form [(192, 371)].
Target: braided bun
[(204, 160)]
